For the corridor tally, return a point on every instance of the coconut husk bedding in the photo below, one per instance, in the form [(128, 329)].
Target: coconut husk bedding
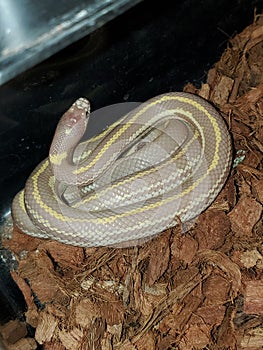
[(196, 288)]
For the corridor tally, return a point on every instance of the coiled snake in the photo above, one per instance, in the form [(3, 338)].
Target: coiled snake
[(164, 162)]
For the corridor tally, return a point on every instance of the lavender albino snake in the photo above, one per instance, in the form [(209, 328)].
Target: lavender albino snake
[(164, 162)]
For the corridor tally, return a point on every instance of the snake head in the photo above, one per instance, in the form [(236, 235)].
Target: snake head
[(69, 131), (77, 114)]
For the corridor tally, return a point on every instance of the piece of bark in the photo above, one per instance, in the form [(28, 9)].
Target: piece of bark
[(253, 297), (64, 254), (252, 339), (36, 269), (183, 250), (213, 307), (45, 329), (245, 215), (213, 228), (222, 90), (251, 258), (159, 259), (23, 344), (258, 189), (20, 242), (13, 331), (225, 334), (25, 289), (54, 345)]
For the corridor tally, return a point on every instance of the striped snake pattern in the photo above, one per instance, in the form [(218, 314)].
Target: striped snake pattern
[(161, 164)]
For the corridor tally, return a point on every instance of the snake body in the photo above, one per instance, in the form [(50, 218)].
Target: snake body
[(163, 163)]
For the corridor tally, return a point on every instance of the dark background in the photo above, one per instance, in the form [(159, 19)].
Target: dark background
[(151, 49)]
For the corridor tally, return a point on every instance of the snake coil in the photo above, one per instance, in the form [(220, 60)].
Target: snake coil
[(164, 161)]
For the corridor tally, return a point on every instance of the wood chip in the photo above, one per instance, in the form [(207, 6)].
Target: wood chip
[(245, 215), (253, 297), (13, 331)]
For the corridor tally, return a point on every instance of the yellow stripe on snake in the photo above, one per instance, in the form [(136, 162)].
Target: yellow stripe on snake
[(163, 163)]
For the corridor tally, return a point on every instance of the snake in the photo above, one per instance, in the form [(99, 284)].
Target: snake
[(160, 165)]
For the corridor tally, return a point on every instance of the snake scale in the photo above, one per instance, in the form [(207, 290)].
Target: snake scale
[(161, 164)]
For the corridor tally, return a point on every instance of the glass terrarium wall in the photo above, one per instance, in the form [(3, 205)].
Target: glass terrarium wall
[(31, 31)]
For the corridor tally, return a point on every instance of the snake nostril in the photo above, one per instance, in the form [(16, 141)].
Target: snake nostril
[(73, 120)]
